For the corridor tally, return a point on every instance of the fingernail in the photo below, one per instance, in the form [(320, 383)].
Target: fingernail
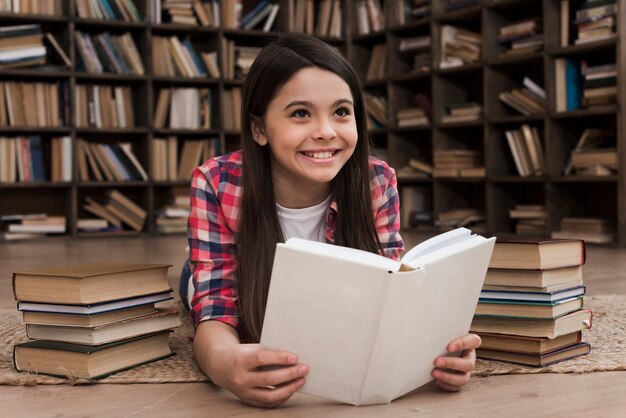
[(291, 359), (300, 383), (453, 347), (440, 363), (302, 370)]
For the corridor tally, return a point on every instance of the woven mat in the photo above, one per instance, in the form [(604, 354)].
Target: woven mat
[(607, 339)]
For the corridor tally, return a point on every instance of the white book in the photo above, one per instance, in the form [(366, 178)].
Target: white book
[(271, 18), (368, 327), (67, 158)]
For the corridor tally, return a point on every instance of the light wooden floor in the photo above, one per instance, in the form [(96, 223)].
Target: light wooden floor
[(549, 395)]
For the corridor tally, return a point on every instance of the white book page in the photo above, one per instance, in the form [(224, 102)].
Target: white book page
[(434, 244)]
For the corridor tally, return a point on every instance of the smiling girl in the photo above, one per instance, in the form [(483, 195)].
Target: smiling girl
[(304, 171)]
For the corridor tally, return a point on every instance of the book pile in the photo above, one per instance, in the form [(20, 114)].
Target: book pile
[(462, 112), (459, 47), (90, 321), (594, 230), (108, 162), (529, 100), (323, 19), (458, 163), (34, 104), (167, 166), (187, 108), (593, 155), (104, 106), (262, 11), (19, 226), (175, 57), (377, 67), (207, 12), (125, 10), (415, 207), (599, 85), (376, 108), (419, 48), (411, 116), (522, 36), (595, 20), (179, 11), (38, 7), (416, 169), (461, 217), (118, 210), (22, 160), (108, 53), (21, 46), (530, 219), (527, 150), (460, 4), (369, 16), (406, 11), (172, 218), (530, 310)]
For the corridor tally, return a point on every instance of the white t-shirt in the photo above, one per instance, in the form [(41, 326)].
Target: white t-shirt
[(306, 223)]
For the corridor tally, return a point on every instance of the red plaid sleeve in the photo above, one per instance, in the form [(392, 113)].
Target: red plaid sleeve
[(215, 194), (386, 205)]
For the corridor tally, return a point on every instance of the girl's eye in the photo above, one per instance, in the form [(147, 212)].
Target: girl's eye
[(300, 113), (342, 111)]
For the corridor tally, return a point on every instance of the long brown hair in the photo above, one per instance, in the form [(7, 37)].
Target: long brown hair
[(259, 229)]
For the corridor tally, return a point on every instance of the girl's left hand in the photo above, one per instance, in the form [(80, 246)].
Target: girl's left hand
[(452, 373)]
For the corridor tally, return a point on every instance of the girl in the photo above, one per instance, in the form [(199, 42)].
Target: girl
[(303, 171)]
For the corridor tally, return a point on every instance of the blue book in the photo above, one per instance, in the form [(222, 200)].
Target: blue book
[(573, 84), (37, 167), (196, 59), (260, 6)]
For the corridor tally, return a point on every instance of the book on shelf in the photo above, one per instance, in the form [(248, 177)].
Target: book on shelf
[(50, 101), (89, 283), (22, 46), (36, 7), (538, 360), (104, 106), (455, 163), (49, 225), (405, 11), (369, 16), (411, 116), (522, 36), (380, 350), (527, 150), (377, 67), (90, 362), (243, 59), (376, 108), (595, 21), (532, 254), (527, 309), (58, 50), (462, 112), (183, 108), (176, 57), (459, 47), (461, 217), (117, 162), (589, 140), (126, 210), (161, 320), (529, 219), (568, 84), (125, 10), (592, 230), (107, 53), (452, 5), (528, 345)]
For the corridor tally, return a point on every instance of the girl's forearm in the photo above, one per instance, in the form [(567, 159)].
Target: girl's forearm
[(211, 336)]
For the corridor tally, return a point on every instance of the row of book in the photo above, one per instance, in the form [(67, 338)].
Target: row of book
[(458, 163), (32, 226), (522, 36), (377, 67), (108, 162), (581, 84), (370, 16), (187, 108), (175, 57), (108, 53), (38, 7), (405, 11), (527, 150), (104, 106), (322, 18), (118, 210), (22, 159), (34, 104), (166, 164), (124, 10), (528, 100), (531, 308), (376, 108), (78, 330)]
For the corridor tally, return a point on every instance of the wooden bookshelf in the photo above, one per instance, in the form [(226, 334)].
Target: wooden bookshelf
[(495, 194)]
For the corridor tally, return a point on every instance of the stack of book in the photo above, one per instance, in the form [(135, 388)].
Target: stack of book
[(179, 11), (522, 36), (104, 106), (530, 219), (207, 12), (529, 100), (419, 47), (411, 116), (459, 47), (461, 217), (19, 226), (416, 169), (377, 67), (595, 20), (108, 53), (34, 104), (38, 7), (263, 11), (595, 161), (458, 163), (125, 10), (108, 162), (21, 46), (187, 108), (369, 16), (591, 139), (599, 85), (22, 160), (376, 107), (118, 210), (460, 4), (594, 230), (173, 217), (530, 310), (175, 57), (405, 11), (463, 112), (527, 150), (93, 320)]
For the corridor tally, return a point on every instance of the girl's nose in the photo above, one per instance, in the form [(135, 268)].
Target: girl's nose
[(326, 131)]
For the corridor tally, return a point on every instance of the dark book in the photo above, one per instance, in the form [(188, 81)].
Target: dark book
[(38, 168), (600, 82), (90, 362), (536, 360), (460, 4)]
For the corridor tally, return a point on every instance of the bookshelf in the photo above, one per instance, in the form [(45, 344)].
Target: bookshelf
[(495, 194)]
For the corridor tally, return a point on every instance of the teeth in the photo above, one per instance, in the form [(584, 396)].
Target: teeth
[(319, 155)]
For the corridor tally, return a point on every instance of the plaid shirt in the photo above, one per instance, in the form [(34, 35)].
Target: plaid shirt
[(213, 223)]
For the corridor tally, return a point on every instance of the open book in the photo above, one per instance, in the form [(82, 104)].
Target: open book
[(368, 327)]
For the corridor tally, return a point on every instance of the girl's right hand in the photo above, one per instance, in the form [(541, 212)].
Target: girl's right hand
[(265, 378)]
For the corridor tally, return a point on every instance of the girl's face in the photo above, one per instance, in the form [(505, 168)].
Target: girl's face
[(311, 131)]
